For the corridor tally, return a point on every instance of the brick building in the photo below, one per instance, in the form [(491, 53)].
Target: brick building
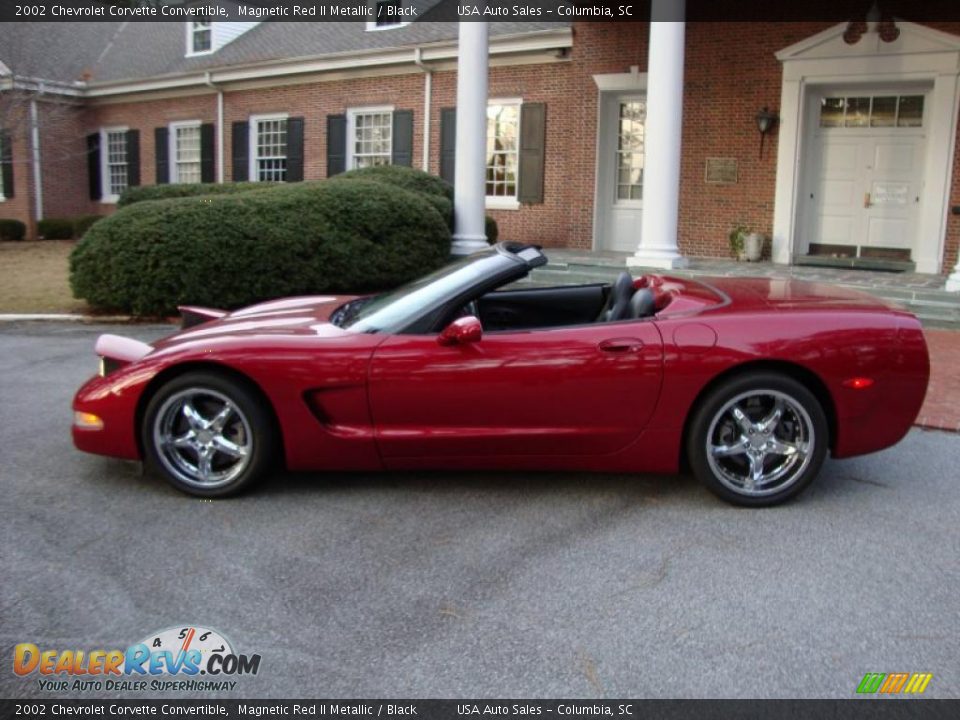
[(863, 161)]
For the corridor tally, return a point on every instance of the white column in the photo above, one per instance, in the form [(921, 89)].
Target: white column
[(953, 282), (469, 182), (661, 176)]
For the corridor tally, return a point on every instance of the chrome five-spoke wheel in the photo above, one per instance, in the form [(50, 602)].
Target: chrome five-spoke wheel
[(203, 438), (207, 434), (758, 440)]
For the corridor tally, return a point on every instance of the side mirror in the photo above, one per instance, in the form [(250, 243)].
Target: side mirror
[(461, 332)]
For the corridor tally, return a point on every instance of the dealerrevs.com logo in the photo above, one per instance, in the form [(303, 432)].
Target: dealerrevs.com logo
[(185, 658)]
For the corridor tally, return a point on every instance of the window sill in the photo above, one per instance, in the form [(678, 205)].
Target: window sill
[(110, 200), (499, 203)]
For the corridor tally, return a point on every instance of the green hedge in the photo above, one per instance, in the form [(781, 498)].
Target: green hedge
[(12, 229), (231, 250), (55, 228), (83, 223), (178, 190), (438, 191)]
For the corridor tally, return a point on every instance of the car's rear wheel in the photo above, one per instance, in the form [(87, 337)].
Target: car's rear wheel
[(208, 435), (758, 439)]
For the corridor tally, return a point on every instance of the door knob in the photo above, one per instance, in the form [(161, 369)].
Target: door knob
[(621, 345)]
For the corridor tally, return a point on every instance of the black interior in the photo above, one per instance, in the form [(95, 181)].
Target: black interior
[(541, 307), (563, 306)]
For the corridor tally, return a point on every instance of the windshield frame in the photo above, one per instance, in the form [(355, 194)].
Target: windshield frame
[(415, 308)]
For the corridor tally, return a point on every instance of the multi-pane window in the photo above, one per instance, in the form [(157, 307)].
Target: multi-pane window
[(372, 139), (116, 162), (186, 154), (630, 135), (880, 111), (503, 132), (201, 36), (270, 150)]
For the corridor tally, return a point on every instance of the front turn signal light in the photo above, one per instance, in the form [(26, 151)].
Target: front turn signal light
[(858, 383), (87, 421)]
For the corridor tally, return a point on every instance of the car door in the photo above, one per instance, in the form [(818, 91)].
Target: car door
[(584, 390)]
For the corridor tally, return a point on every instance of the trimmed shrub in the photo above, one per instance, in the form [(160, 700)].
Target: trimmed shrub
[(404, 177), (436, 190), (178, 190), (55, 228), (235, 249), (12, 229), (82, 224)]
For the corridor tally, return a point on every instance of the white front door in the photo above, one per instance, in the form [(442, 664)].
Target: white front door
[(865, 176), (620, 171)]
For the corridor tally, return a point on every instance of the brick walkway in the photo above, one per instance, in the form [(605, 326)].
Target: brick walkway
[(941, 409)]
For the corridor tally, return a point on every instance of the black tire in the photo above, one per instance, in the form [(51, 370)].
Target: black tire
[(195, 454), (749, 461)]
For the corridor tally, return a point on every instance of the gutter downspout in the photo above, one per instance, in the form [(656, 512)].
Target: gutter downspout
[(209, 82), (427, 92), (35, 156)]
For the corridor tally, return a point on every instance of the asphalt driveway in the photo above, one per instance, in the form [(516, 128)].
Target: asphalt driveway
[(476, 585)]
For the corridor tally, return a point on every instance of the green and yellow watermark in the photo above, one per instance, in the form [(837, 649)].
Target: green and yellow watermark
[(894, 683)]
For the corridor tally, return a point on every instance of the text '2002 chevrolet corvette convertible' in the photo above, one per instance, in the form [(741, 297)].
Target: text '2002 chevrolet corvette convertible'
[(749, 383)]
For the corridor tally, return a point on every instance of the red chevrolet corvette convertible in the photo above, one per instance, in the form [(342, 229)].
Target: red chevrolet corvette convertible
[(749, 383)]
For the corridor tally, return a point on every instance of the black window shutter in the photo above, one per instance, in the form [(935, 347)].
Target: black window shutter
[(207, 162), (161, 141), (336, 144), (133, 158), (6, 161), (402, 153), (93, 165), (294, 149), (241, 151), (448, 144), (533, 130)]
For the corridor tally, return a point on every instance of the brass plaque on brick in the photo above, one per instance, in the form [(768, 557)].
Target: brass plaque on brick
[(721, 171)]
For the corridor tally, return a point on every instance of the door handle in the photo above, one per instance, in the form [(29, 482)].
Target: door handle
[(866, 200), (621, 345)]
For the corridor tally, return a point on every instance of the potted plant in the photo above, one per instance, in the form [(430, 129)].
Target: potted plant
[(736, 237), (745, 244)]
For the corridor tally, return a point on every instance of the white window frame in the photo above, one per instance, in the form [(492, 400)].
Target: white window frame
[(191, 34), (172, 148), (502, 202), (352, 114), (252, 171), (372, 24), (107, 197)]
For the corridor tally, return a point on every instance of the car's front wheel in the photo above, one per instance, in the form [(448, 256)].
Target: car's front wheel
[(758, 439), (207, 434)]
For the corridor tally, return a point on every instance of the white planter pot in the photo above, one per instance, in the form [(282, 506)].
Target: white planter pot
[(753, 247)]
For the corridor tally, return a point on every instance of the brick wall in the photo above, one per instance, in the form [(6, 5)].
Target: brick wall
[(144, 116), (20, 206)]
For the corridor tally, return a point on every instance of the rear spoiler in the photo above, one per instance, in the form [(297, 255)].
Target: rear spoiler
[(192, 315)]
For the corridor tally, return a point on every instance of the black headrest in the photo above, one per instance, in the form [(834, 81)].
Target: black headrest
[(643, 303), (620, 294)]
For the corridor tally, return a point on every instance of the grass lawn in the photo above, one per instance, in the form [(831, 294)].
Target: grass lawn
[(33, 278)]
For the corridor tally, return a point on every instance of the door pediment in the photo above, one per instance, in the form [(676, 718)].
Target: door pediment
[(830, 44)]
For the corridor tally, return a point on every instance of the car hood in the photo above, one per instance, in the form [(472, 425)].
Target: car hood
[(296, 316)]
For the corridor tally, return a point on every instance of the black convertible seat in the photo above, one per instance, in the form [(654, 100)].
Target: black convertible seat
[(618, 302), (643, 303)]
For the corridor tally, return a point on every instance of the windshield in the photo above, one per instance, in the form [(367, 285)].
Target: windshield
[(393, 310)]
